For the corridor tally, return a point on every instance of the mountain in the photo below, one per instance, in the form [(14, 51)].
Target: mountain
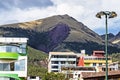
[(110, 36), (116, 39), (57, 33)]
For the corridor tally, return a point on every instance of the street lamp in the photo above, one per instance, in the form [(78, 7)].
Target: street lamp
[(107, 15)]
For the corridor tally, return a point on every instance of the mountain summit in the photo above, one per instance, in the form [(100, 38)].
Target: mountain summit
[(57, 33)]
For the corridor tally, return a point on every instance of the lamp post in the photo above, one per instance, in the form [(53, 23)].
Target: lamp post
[(107, 15)]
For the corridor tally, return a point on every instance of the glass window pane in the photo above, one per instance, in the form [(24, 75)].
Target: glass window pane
[(4, 67), (1, 67), (20, 65), (2, 49), (23, 48), (4, 78), (8, 48)]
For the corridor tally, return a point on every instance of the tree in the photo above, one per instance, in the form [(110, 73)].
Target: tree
[(54, 76)]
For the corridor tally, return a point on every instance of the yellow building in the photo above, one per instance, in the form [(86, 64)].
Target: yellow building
[(97, 59)]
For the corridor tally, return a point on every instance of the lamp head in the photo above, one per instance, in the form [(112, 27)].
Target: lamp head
[(98, 15), (112, 15), (107, 13)]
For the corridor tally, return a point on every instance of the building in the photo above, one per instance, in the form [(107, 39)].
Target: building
[(58, 59), (114, 66), (74, 73), (73, 64), (97, 59), (13, 58), (112, 75)]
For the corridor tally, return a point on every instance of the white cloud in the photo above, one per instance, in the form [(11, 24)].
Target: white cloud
[(82, 10)]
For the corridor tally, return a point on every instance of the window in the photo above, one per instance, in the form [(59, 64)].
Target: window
[(13, 66), (54, 70), (5, 78), (94, 64), (54, 56), (62, 62), (72, 56), (4, 67), (19, 49), (12, 79), (20, 65), (9, 49), (71, 62), (100, 64), (2, 49), (22, 48), (62, 56), (54, 66), (54, 62), (103, 69), (32, 77)]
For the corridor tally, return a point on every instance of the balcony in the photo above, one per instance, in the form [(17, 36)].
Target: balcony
[(15, 76), (63, 59), (97, 61), (9, 55)]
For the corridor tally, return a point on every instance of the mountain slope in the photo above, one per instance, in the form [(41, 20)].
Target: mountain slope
[(110, 36), (57, 33), (37, 63), (116, 39)]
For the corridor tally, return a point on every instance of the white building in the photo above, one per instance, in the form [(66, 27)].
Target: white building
[(58, 59), (13, 58)]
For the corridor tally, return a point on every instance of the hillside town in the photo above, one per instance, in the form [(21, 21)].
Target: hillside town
[(75, 66), (59, 40)]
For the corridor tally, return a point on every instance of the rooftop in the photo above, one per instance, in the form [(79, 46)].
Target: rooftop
[(62, 53), (99, 74), (98, 52), (13, 40)]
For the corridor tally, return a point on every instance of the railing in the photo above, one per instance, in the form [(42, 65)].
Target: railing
[(8, 55), (63, 59)]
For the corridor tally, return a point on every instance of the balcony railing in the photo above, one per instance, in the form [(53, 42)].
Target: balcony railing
[(14, 76), (9, 55), (63, 59)]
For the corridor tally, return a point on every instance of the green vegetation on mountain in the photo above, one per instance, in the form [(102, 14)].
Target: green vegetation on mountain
[(35, 68), (34, 54), (116, 57)]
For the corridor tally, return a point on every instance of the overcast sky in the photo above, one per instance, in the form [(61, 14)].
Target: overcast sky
[(12, 11)]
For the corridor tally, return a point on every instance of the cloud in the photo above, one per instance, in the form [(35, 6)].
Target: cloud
[(13, 11), (23, 4), (82, 10)]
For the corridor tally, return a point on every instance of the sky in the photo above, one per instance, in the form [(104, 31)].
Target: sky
[(14, 11)]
